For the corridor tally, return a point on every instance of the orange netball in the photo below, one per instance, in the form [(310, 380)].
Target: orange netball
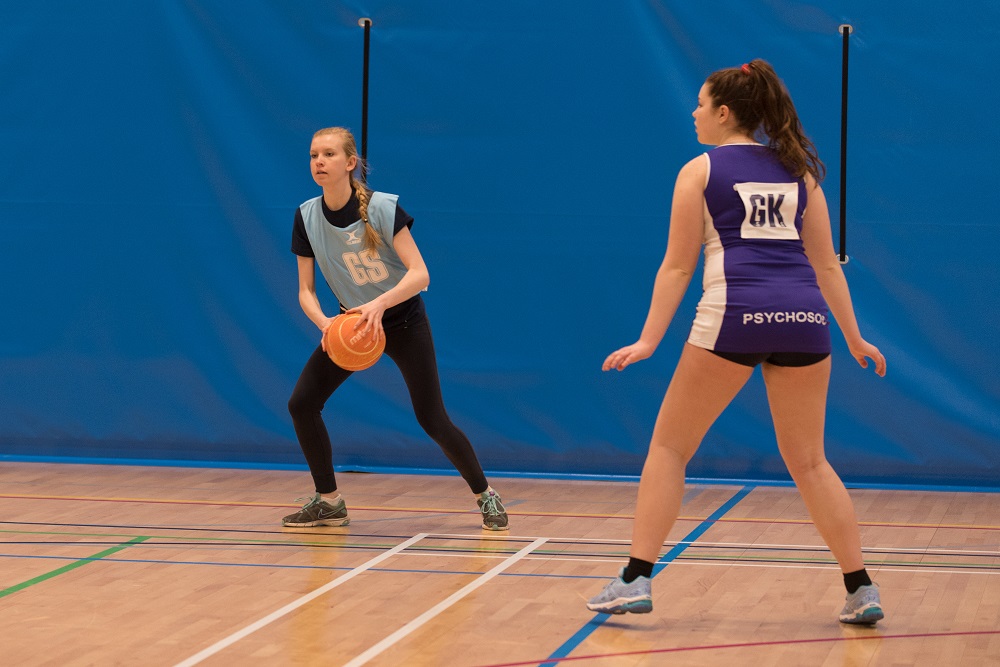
[(351, 349)]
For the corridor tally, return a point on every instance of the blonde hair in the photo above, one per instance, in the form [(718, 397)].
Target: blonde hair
[(372, 238)]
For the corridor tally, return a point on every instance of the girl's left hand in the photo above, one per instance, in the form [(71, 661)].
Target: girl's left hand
[(862, 349), (371, 318)]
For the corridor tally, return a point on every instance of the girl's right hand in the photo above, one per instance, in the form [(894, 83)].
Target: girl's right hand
[(322, 335), (629, 354)]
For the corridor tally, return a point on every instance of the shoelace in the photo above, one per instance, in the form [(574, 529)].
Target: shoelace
[(489, 507), (312, 500)]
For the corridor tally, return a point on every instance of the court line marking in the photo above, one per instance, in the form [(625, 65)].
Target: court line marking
[(874, 556), (70, 566), (599, 618), (292, 606), (909, 568), (779, 642), (416, 623), (434, 510), (169, 541), (957, 551)]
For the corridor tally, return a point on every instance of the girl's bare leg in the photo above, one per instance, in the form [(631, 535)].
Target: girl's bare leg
[(798, 408), (702, 386)]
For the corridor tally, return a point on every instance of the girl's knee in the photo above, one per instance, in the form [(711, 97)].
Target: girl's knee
[(301, 406), (438, 431), (804, 468), (675, 451)]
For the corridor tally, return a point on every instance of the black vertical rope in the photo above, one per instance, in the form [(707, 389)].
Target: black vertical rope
[(367, 25), (845, 30)]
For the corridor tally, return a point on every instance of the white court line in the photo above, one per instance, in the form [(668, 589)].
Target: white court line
[(957, 550), (441, 606), (253, 627), (695, 562)]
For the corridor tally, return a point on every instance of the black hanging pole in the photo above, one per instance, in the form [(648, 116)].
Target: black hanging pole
[(365, 23), (845, 30)]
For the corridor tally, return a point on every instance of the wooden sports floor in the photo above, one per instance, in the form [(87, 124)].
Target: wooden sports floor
[(123, 565)]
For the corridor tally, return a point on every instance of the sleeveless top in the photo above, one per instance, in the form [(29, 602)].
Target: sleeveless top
[(759, 291), (355, 275)]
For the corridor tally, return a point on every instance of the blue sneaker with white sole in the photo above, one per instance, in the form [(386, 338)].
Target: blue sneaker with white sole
[(619, 597), (863, 607)]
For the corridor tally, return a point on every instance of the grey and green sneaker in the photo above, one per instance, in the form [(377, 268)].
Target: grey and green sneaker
[(492, 509), (318, 512), (863, 607)]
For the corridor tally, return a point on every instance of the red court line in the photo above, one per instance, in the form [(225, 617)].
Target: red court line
[(438, 510), (788, 642)]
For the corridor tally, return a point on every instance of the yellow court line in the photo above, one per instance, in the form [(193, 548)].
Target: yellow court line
[(371, 508), (438, 510)]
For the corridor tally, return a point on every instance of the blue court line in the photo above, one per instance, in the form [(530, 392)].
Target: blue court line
[(275, 566), (153, 463), (79, 562), (570, 645)]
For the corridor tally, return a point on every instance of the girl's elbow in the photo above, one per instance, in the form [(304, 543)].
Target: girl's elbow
[(677, 272)]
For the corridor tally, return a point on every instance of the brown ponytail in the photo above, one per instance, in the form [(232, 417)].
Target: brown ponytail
[(372, 238), (764, 109)]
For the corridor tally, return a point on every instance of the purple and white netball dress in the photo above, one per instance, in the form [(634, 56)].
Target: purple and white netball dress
[(760, 291)]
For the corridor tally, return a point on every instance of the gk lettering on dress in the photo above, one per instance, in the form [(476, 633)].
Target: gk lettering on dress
[(770, 210), (766, 213)]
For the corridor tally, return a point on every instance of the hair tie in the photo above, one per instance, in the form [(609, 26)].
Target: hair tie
[(745, 68)]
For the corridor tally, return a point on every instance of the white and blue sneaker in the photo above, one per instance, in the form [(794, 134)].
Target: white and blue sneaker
[(863, 607), (619, 597)]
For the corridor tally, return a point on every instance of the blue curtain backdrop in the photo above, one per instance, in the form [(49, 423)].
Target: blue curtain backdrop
[(154, 152)]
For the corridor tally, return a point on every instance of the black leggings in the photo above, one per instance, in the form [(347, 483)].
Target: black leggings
[(412, 348)]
